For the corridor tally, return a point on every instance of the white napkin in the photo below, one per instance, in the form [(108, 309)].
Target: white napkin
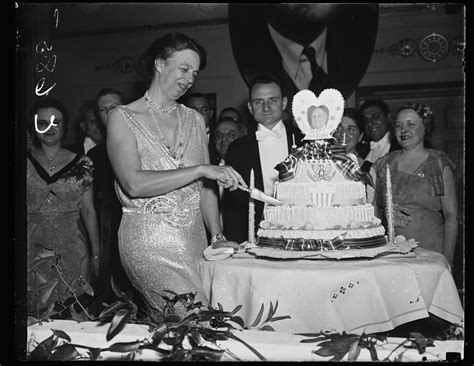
[(217, 254)]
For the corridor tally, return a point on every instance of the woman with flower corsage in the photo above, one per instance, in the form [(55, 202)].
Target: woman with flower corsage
[(158, 149), (423, 184), (63, 237)]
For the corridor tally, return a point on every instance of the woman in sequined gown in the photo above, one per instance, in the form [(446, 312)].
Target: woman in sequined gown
[(61, 219), (158, 150), (423, 188)]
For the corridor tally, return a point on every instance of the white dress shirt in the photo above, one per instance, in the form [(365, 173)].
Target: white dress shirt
[(379, 148), (88, 144), (273, 149), (295, 63)]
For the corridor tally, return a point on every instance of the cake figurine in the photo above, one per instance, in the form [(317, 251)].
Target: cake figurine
[(321, 189)]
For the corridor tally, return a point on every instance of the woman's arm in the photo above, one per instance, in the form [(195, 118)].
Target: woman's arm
[(449, 205), (123, 155), (89, 217)]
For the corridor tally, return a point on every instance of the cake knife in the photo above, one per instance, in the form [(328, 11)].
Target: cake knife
[(257, 194)]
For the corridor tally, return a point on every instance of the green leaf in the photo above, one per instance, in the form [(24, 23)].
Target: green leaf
[(43, 252), (191, 317), (208, 353), (118, 322), (65, 352), (373, 353), (325, 352), (125, 346), (94, 353), (237, 308), (115, 288), (354, 351), (42, 352), (47, 291), (78, 316), (61, 334), (220, 306), (47, 313), (236, 320), (31, 320), (279, 318), (313, 340), (270, 312), (111, 308), (40, 278), (258, 318), (87, 288)]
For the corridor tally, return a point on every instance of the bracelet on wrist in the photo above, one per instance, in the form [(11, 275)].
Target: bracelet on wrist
[(217, 237)]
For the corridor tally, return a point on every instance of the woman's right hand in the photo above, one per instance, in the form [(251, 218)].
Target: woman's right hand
[(225, 175)]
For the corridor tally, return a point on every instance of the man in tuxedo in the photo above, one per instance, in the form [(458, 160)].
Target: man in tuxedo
[(308, 46), (200, 103), (260, 150), (381, 140), (90, 127), (107, 203)]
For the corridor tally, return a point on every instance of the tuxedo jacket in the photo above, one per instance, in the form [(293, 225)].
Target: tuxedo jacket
[(78, 148), (243, 155), (104, 178), (350, 41)]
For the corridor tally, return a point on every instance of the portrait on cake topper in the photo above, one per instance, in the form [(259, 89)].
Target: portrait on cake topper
[(318, 117)]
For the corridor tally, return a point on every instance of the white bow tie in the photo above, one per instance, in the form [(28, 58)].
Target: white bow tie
[(264, 134)]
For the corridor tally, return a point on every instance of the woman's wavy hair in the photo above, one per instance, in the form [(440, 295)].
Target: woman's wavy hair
[(425, 113), (165, 46), (42, 104)]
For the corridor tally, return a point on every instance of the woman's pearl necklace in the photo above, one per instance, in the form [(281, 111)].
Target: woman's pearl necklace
[(162, 110)]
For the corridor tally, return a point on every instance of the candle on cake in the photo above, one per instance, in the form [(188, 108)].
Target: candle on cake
[(251, 236), (389, 206)]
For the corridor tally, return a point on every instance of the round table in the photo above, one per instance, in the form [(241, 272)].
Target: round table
[(355, 296)]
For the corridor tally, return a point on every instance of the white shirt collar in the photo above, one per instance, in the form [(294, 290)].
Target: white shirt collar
[(385, 140), (280, 127), (88, 144), (291, 52)]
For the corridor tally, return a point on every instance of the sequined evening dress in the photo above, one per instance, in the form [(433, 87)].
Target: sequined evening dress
[(162, 238), (417, 193), (55, 226)]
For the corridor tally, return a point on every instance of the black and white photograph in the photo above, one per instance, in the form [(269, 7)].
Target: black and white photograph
[(239, 182)]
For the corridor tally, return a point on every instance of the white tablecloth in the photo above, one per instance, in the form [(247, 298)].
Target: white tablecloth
[(356, 296)]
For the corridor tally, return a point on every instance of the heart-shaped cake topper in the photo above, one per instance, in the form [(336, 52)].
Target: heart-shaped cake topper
[(318, 117)]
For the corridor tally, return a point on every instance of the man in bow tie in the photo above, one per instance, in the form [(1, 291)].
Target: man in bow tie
[(377, 128), (261, 151)]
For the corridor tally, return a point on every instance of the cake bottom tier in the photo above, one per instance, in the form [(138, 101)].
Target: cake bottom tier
[(360, 233), (338, 243)]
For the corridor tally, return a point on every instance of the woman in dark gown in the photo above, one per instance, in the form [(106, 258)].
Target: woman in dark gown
[(63, 238)]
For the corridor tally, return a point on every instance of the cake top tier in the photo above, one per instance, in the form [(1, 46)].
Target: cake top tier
[(318, 117)]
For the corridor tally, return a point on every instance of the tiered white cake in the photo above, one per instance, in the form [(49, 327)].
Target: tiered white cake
[(321, 192)]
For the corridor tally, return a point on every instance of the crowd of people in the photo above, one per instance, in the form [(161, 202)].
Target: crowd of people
[(154, 181)]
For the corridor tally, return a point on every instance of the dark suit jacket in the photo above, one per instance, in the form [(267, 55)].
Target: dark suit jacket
[(350, 41), (104, 177), (78, 148), (243, 155)]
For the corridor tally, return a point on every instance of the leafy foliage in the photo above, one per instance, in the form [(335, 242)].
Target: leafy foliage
[(339, 345), (193, 337), (49, 294)]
